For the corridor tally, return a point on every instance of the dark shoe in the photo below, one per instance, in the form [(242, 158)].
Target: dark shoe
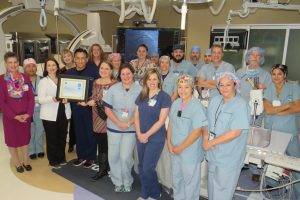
[(56, 166), (71, 149), (32, 156), (99, 175), (79, 162), (256, 177), (41, 155), (88, 164), (20, 169), (27, 167), (63, 163)]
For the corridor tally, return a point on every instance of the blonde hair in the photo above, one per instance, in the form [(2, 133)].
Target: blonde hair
[(64, 52), (145, 89)]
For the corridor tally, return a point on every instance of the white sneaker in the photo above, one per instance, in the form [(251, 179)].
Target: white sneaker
[(140, 198)]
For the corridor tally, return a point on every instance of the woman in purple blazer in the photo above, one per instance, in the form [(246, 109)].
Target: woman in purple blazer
[(17, 105)]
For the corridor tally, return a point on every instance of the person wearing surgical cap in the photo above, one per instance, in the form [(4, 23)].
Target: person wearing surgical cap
[(207, 74), (179, 65), (225, 140), (187, 120), (154, 58), (36, 145), (253, 76), (282, 108), (207, 56), (195, 56), (116, 60)]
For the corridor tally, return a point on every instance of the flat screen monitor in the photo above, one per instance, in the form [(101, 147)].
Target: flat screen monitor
[(158, 40)]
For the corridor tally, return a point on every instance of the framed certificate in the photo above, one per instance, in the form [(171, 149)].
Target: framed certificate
[(73, 88)]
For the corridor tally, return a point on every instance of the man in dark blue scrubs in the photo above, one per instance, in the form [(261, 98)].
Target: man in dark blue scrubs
[(82, 112)]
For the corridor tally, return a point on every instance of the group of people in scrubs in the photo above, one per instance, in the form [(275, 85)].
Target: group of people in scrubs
[(129, 105)]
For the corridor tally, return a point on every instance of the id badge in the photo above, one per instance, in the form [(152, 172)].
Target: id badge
[(276, 103), (36, 101), (152, 102), (211, 136), (176, 73), (125, 113), (104, 91), (25, 87)]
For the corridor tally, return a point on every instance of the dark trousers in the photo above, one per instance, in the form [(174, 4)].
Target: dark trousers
[(101, 141), (56, 133), (72, 137), (102, 145), (148, 155), (85, 141)]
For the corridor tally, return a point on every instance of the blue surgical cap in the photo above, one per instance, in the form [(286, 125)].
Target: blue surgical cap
[(207, 52), (195, 49), (257, 49)]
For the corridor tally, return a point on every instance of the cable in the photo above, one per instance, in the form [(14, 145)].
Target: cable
[(43, 17), (57, 41)]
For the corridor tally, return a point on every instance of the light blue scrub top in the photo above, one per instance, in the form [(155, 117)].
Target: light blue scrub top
[(234, 115), (121, 102), (264, 78), (284, 123), (209, 72), (184, 67), (192, 117), (170, 84), (198, 65)]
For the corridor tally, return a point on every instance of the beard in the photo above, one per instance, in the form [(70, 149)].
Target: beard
[(178, 60)]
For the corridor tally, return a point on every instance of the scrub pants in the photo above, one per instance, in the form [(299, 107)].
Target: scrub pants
[(36, 144), (293, 149), (120, 157), (222, 181), (148, 155), (186, 179), (85, 142)]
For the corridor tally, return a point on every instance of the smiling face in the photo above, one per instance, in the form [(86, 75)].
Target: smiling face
[(164, 64), (185, 90), (278, 76), (96, 51), (51, 68), (68, 58), (12, 64), (116, 62), (80, 60), (177, 54), (217, 55), (126, 76), (254, 58), (227, 87), (30, 69), (105, 71), (142, 52), (153, 82), (195, 56)]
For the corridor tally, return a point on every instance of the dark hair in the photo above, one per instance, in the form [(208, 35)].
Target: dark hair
[(45, 73), (110, 66), (10, 55), (124, 66), (102, 58), (145, 89), (81, 50), (282, 67), (143, 45)]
